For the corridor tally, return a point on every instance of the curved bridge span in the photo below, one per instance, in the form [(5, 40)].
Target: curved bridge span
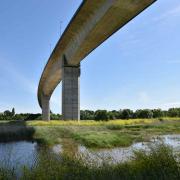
[(92, 24)]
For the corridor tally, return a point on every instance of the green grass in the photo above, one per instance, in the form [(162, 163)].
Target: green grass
[(158, 164), (102, 139), (92, 134), (105, 135)]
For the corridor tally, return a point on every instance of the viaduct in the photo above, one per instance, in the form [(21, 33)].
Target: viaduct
[(91, 25)]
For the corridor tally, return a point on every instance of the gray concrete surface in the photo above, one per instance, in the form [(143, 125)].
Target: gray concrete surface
[(70, 92), (45, 107)]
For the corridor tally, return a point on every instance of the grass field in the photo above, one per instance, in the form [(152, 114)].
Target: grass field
[(92, 134)]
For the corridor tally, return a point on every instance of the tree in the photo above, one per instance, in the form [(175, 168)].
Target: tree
[(126, 114), (7, 113), (174, 112), (101, 115), (13, 112), (87, 114), (157, 113), (111, 115), (144, 113), (114, 114)]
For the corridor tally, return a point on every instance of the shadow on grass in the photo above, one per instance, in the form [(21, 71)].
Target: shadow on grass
[(15, 131)]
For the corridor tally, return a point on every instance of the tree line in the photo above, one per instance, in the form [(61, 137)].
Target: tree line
[(129, 114), (98, 115), (11, 115)]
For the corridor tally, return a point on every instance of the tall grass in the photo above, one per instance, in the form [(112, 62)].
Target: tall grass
[(158, 164), (103, 139), (89, 122), (89, 133), (97, 123)]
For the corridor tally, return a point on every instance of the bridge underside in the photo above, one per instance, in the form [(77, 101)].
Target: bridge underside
[(92, 24)]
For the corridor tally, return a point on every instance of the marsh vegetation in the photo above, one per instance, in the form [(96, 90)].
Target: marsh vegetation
[(142, 166), (94, 135)]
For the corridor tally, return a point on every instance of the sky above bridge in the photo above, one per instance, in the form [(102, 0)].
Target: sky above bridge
[(138, 67)]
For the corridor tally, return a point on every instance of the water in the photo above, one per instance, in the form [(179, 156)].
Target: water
[(120, 154), (18, 154)]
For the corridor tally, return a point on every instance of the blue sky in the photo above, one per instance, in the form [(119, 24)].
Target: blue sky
[(138, 67)]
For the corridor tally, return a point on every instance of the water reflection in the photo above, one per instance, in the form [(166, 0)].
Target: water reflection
[(67, 147), (116, 155), (18, 154)]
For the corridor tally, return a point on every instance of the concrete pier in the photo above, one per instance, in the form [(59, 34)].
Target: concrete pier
[(70, 92), (45, 108)]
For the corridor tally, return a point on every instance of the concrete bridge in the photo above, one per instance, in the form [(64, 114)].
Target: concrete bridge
[(92, 24)]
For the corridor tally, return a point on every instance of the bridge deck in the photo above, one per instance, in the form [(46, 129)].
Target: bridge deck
[(92, 24)]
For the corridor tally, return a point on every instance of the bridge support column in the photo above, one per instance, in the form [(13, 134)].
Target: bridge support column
[(45, 108), (70, 92)]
